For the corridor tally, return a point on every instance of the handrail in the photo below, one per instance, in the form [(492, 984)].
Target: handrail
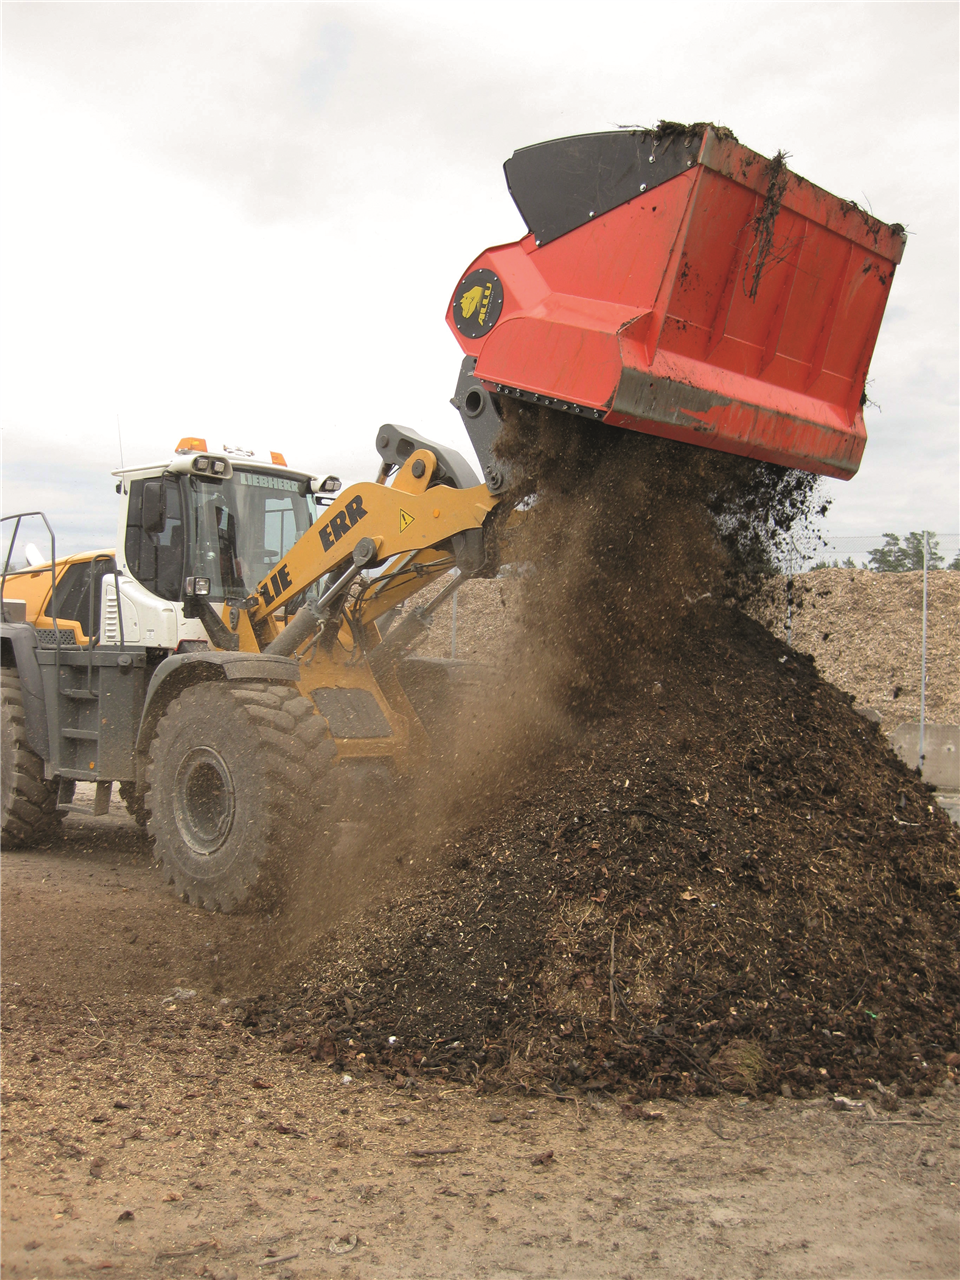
[(92, 638), (23, 515)]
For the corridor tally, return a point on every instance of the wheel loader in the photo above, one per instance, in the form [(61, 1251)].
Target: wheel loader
[(231, 661)]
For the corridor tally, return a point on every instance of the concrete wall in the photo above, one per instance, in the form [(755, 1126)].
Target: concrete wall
[(941, 749)]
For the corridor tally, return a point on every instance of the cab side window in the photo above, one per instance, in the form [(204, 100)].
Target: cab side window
[(280, 527), (156, 559)]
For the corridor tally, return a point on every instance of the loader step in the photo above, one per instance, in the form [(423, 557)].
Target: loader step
[(98, 809)]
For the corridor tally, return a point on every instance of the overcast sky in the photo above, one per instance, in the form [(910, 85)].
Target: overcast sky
[(245, 221)]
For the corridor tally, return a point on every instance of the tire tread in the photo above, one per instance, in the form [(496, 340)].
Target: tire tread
[(29, 799)]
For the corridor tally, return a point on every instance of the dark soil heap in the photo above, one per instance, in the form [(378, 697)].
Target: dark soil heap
[(720, 877)]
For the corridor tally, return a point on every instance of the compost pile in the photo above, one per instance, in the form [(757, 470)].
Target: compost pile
[(714, 875)]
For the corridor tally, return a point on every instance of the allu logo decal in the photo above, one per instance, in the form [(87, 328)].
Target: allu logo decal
[(468, 303), (477, 303), (474, 298)]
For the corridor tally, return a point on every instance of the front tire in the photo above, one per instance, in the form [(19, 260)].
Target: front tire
[(236, 772), (28, 801)]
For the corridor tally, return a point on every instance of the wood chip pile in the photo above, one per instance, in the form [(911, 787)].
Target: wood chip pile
[(862, 628)]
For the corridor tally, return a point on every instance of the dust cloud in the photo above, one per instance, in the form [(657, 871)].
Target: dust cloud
[(616, 537), (622, 535)]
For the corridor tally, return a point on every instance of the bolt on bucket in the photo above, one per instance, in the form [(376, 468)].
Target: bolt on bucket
[(676, 283)]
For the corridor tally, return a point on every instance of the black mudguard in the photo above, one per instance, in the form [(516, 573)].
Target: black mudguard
[(180, 670)]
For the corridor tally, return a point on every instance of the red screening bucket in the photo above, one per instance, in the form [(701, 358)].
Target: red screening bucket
[(676, 283)]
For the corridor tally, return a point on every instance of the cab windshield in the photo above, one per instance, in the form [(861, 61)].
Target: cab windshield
[(239, 529)]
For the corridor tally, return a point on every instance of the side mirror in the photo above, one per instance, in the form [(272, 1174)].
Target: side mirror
[(153, 509)]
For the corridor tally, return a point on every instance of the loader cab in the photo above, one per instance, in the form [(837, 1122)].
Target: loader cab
[(72, 605), (227, 519)]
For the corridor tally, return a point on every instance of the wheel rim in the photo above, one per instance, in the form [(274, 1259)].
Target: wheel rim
[(203, 800)]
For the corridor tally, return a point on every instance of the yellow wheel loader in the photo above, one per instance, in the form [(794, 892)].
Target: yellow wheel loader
[(228, 727), (233, 658)]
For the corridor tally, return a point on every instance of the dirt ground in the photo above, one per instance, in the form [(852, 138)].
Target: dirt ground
[(146, 1131), (181, 1097)]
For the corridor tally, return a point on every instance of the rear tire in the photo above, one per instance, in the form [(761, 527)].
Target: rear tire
[(28, 801), (236, 773)]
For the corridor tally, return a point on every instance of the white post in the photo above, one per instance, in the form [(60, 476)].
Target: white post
[(790, 594), (923, 650)]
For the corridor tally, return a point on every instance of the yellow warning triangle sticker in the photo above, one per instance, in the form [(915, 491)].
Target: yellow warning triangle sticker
[(406, 520)]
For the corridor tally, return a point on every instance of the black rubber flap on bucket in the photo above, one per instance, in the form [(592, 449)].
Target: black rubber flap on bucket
[(567, 182)]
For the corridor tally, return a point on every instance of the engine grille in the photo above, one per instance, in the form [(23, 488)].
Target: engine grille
[(47, 637)]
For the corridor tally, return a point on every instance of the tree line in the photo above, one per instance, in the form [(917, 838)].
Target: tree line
[(899, 557)]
